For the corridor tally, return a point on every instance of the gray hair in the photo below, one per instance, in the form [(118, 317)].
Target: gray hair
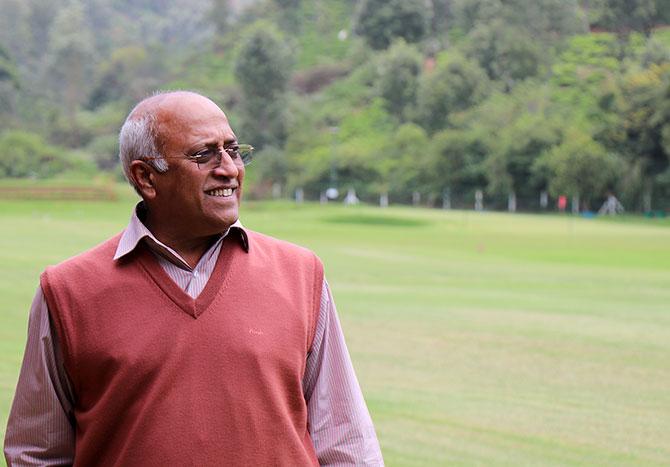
[(137, 141)]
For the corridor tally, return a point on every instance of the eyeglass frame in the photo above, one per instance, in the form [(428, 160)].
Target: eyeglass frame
[(218, 156)]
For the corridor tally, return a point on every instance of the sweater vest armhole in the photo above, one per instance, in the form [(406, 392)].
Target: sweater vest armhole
[(317, 288), (59, 324)]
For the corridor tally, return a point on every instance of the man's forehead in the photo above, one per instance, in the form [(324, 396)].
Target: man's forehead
[(176, 105)]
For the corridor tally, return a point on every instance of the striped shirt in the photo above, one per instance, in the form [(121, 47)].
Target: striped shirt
[(41, 426)]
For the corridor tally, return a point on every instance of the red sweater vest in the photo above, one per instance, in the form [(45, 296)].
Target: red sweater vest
[(162, 379)]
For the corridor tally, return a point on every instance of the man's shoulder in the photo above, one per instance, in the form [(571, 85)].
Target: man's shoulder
[(94, 258)]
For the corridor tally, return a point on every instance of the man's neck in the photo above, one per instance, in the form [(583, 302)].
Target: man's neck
[(190, 249)]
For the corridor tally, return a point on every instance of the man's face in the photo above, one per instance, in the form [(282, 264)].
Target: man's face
[(195, 201)]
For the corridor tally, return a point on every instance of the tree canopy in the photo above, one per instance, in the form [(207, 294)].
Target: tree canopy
[(510, 98)]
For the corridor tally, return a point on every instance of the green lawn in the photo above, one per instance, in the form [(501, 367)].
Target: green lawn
[(478, 338)]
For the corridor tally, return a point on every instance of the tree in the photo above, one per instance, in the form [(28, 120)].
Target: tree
[(454, 85), (546, 20), (219, 16), (441, 18), (129, 74), (469, 13), (508, 54), (456, 162), (262, 70), (403, 162), (640, 123), (624, 16), (380, 22), (273, 167), (8, 72), (399, 68), (582, 167), (71, 56), (509, 165), (24, 154), (10, 86)]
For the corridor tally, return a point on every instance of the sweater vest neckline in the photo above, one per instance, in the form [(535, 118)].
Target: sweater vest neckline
[(217, 283)]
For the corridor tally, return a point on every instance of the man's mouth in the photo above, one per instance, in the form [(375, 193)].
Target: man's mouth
[(222, 192)]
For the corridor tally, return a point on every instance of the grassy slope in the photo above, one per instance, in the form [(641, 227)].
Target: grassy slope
[(478, 338)]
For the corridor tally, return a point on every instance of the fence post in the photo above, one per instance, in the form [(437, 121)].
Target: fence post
[(384, 200), (479, 200), (446, 199), (511, 202)]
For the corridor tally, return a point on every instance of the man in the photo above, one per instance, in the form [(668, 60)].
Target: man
[(187, 339)]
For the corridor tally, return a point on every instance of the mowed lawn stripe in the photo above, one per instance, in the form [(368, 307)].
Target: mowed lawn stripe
[(478, 338)]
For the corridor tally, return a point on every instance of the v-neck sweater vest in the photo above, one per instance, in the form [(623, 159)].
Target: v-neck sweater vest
[(163, 379)]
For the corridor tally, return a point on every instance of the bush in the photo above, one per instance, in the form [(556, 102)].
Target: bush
[(24, 154)]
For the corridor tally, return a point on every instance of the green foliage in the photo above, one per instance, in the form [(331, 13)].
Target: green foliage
[(587, 60), (71, 52), (346, 155), (263, 65), (454, 85), (24, 154), (457, 161), (380, 22), (507, 54), (128, 75), (104, 150), (403, 162), (219, 16), (641, 129), (317, 40), (622, 16), (655, 52), (490, 85), (581, 166), (469, 13), (399, 68), (544, 20), (8, 72), (509, 165), (271, 166), (263, 70)]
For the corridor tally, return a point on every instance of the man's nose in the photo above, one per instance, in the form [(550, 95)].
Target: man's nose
[(227, 167)]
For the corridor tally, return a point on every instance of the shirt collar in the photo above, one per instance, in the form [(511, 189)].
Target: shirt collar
[(137, 231)]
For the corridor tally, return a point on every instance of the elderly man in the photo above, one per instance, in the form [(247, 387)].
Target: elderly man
[(187, 339)]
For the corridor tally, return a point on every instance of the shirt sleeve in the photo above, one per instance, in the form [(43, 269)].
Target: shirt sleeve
[(40, 429), (339, 421)]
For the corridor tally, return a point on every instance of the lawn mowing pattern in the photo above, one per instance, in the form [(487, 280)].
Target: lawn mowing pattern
[(478, 338)]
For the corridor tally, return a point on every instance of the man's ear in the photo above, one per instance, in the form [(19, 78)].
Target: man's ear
[(144, 178)]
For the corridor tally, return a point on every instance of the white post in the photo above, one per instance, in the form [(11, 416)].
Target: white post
[(511, 202), (299, 195), (416, 198), (384, 200), (276, 190), (646, 201), (351, 197), (575, 204), (544, 199), (446, 199), (479, 200)]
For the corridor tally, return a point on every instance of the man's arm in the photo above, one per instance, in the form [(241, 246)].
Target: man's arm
[(339, 421), (40, 430)]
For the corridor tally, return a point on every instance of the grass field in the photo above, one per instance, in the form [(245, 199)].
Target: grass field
[(478, 338)]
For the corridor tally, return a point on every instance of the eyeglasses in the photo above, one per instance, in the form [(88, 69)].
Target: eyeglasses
[(210, 158)]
